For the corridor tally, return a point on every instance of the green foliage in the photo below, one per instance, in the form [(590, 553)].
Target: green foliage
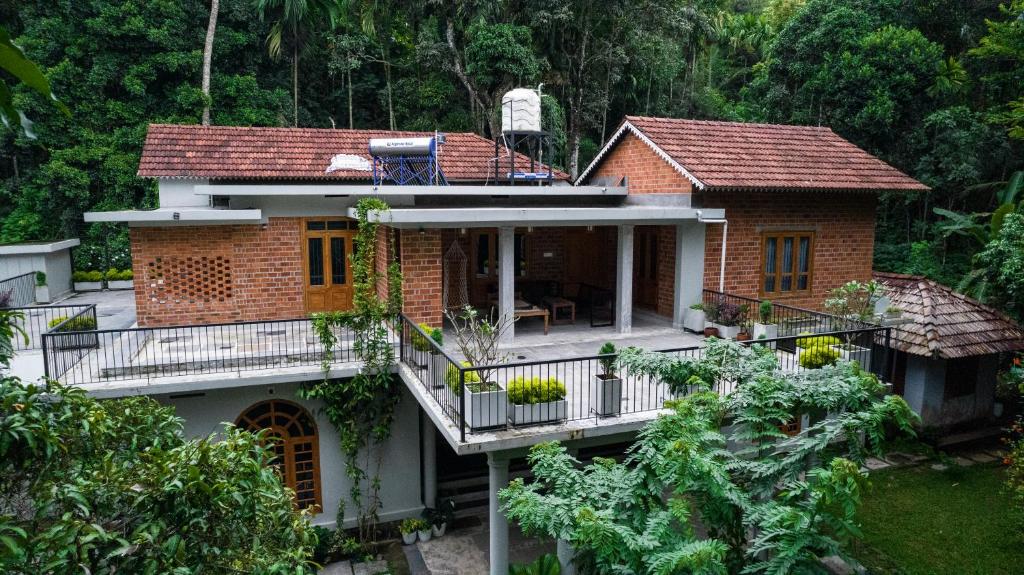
[(14, 62), (420, 343), (471, 379), (999, 275), (412, 525), (810, 340), (607, 363), (527, 391), (40, 279), (1015, 471), (765, 311), (79, 323), (112, 487), (90, 276), (774, 504), (818, 356), (546, 564), (115, 274), (363, 408), (500, 55)]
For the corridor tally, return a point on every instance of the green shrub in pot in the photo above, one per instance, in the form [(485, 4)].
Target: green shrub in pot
[(524, 391), (818, 356)]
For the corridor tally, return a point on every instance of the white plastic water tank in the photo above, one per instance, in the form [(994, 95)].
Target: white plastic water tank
[(520, 111)]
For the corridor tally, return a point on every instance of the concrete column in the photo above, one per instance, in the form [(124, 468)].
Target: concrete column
[(507, 281), (624, 281), (689, 277), (497, 466), (428, 438), (566, 555)]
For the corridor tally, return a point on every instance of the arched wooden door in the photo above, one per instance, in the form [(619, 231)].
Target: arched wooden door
[(293, 432)]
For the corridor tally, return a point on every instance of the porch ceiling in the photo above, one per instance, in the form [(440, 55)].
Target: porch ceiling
[(539, 216)]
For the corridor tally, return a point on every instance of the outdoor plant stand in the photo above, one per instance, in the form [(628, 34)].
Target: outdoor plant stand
[(546, 412), (485, 408)]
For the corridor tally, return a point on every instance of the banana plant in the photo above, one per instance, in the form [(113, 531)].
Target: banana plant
[(14, 61), (983, 226)]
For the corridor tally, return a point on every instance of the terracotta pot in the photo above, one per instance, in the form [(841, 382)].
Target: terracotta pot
[(743, 336), (711, 332)]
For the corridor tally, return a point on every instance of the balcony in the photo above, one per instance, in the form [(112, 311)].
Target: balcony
[(470, 414)]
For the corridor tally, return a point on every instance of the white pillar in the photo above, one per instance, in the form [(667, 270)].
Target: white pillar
[(566, 557), (624, 281), (506, 281), (497, 466), (428, 439), (689, 277)]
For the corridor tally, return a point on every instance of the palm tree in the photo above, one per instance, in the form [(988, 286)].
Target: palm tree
[(211, 29), (294, 17)]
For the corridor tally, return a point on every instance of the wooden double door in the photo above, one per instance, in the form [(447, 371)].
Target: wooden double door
[(327, 244)]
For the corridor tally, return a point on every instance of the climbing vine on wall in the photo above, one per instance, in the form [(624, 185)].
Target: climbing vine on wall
[(362, 409)]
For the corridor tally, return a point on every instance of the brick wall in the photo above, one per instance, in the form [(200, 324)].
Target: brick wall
[(844, 226), (421, 275), (215, 274), (666, 269), (648, 173)]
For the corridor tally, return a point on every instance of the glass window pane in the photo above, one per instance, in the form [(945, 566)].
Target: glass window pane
[(315, 253), (769, 284), (770, 246), (315, 226), (337, 225), (801, 282), (786, 283), (338, 261), (787, 255), (804, 261)]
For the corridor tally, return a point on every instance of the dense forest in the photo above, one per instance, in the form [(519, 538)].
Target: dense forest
[(932, 86)]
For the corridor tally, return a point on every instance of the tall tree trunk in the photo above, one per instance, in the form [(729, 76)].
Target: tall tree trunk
[(387, 80), (348, 72), (295, 79), (211, 29), (460, 73)]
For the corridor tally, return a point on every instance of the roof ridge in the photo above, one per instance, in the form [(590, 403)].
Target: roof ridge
[(729, 122), (931, 333)]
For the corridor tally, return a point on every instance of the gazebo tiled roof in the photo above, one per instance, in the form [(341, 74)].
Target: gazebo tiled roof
[(946, 324)]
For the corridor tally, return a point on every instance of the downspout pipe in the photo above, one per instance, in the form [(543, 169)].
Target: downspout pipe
[(725, 240)]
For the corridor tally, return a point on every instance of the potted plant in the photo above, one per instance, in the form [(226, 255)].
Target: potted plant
[(536, 400), (693, 318), (87, 281), (728, 319), (42, 290), (818, 356), (849, 351), (440, 518), (424, 531), (422, 344), (608, 383), (765, 327), (410, 529), (486, 402), (120, 279), (74, 332), (711, 312), (745, 331)]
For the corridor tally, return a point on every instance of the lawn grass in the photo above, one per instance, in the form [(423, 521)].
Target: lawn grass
[(918, 521)]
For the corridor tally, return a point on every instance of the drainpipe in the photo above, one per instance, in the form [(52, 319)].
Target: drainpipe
[(725, 237)]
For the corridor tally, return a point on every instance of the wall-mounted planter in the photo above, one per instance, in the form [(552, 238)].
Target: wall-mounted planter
[(88, 286), (609, 395), (538, 412), (486, 408), (693, 320), (120, 284), (765, 331), (726, 331)]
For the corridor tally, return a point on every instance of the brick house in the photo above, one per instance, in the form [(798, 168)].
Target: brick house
[(255, 226)]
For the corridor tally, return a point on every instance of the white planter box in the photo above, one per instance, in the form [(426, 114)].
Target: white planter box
[(538, 412), (486, 408), (609, 395), (409, 538), (120, 284), (42, 294), (726, 331), (88, 286), (854, 353), (425, 535), (768, 330), (693, 320)]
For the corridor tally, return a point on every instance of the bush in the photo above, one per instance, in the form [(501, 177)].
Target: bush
[(420, 343), (812, 340), (522, 391), (765, 311), (80, 323), (451, 377), (119, 275), (40, 278), (607, 363), (412, 525), (818, 356), (90, 276)]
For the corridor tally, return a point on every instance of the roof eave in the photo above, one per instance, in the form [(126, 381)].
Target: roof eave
[(614, 140)]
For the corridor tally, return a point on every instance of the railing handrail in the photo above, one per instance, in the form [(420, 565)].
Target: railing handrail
[(196, 326), (54, 329), (406, 319), (788, 307), (19, 276), (48, 306)]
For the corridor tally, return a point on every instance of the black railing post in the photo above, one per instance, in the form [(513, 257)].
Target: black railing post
[(401, 338), (462, 403), (46, 357)]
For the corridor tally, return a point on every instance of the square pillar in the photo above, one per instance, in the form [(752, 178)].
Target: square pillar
[(428, 441), (624, 281), (689, 278), (497, 467), (506, 281)]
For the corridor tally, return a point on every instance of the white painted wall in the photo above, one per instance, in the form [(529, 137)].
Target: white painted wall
[(400, 472), (56, 266), (180, 193)]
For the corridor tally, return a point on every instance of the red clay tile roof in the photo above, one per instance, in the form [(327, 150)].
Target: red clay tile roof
[(735, 155), (241, 153), (944, 323)]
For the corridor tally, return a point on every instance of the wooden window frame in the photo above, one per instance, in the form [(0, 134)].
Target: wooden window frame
[(762, 275), (245, 422)]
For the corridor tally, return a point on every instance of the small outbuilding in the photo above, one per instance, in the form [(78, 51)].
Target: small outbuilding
[(947, 349), (51, 258)]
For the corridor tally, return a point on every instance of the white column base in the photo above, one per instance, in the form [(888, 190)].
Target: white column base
[(497, 467)]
